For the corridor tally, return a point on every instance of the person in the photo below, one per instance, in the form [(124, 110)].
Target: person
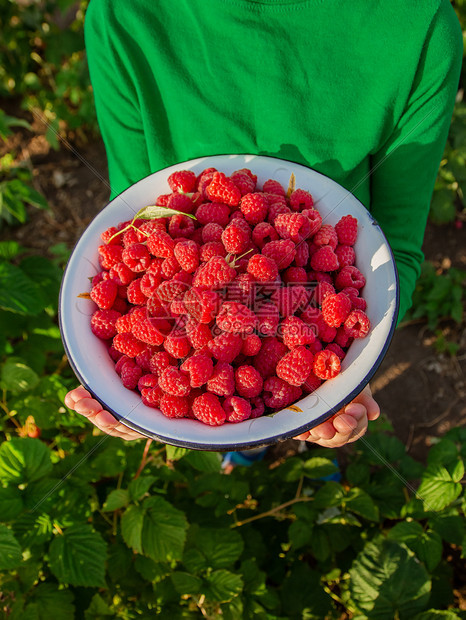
[(362, 92)]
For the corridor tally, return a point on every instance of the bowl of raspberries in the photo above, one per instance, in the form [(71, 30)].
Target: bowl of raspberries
[(229, 302)]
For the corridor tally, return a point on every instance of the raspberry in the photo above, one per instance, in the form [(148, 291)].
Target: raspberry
[(315, 220), (325, 332), (177, 345), (248, 173), (263, 233), (222, 380), (243, 182), (301, 199), (254, 208), (180, 202), (103, 323), (207, 409), (222, 189), (282, 251), (357, 324), (211, 232), (345, 254), (315, 347), (273, 187), (279, 394), (174, 406), (160, 244), (266, 360), (276, 206), (324, 259), (182, 181), (296, 332), (120, 305), (123, 324), (236, 409), (321, 291), (162, 200), (148, 381), (149, 331), (225, 347), (262, 268), (174, 382), (130, 375), (292, 226), (199, 368), (104, 293), (211, 249), (199, 334), (347, 230), (292, 298), (204, 180), (172, 289), (122, 274), (143, 358), (295, 366), (187, 255), (109, 238), (268, 319), (202, 305), (114, 354), (149, 284), (236, 318), (236, 237), (251, 345), (295, 275), (335, 309), (242, 288), (335, 348), (136, 257), (124, 359), (170, 267), (151, 397), (302, 255), (257, 407), (213, 212), (326, 235), (248, 381), (159, 361), (312, 383), (134, 294), (180, 226), (326, 364), (109, 255), (214, 274), (349, 276)]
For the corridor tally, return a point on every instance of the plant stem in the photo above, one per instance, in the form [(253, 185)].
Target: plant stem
[(144, 459), (272, 511)]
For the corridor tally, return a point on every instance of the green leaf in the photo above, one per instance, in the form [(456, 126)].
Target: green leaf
[(361, 503), (17, 376), (78, 557), (150, 570), (388, 582), (438, 614), (427, 545), (221, 547), (24, 460), (319, 467), (140, 486), (223, 586), (438, 487), (10, 249), (163, 530), (330, 494), (302, 594), (118, 498), (11, 503), (17, 292), (46, 275), (300, 533), (204, 461), (451, 527), (33, 529), (98, 607), (442, 207), (27, 194), (10, 551), (185, 583), (131, 527), (174, 453), (320, 544), (52, 602), (153, 212)]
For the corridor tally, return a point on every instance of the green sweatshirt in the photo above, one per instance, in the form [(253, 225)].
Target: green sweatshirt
[(360, 90)]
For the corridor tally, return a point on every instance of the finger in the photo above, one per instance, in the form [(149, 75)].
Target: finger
[(366, 399), (325, 430), (74, 395), (87, 407), (108, 424)]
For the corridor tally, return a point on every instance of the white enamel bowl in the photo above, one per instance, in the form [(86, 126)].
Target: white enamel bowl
[(95, 370)]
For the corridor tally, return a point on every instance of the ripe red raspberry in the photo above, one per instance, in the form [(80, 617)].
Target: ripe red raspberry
[(254, 207), (314, 318), (170, 267), (109, 238), (321, 291), (148, 380), (211, 232), (347, 230), (174, 406), (324, 259), (357, 324), (143, 358), (114, 354), (213, 212), (207, 409), (312, 383), (251, 345), (257, 407), (279, 394), (225, 347), (129, 345), (248, 381), (149, 331), (199, 334), (263, 233), (109, 255), (160, 244), (214, 274), (187, 255), (295, 366), (222, 189), (202, 305), (301, 199), (277, 205), (335, 309), (282, 251), (342, 338), (149, 284), (182, 181), (174, 382), (180, 226), (121, 274), (236, 318), (204, 180), (199, 368), (292, 298), (241, 289), (315, 220), (266, 360), (273, 187), (159, 361), (349, 276), (315, 347), (136, 257), (104, 293), (130, 375), (177, 344), (236, 237), (295, 332), (302, 255), (262, 268), (345, 254), (211, 249), (123, 324), (243, 182), (292, 226), (151, 397), (236, 409), (326, 364), (181, 203), (134, 294), (326, 235), (335, 348), (120, 305), (222, 380), (121, 362), (173, 289), (295, 275), (103, 323), (268, 319)]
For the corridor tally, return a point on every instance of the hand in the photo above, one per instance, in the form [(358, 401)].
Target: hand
[(80, 400), (346, 426)]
